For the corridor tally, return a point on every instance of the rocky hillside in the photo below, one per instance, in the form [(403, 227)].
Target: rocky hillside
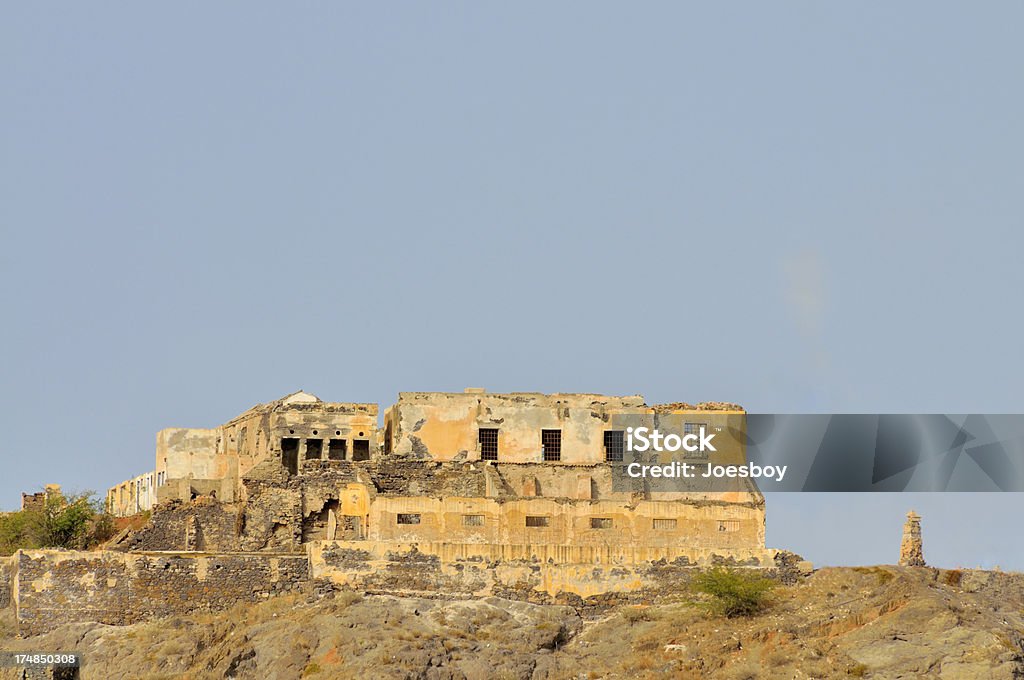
[(877, 622)]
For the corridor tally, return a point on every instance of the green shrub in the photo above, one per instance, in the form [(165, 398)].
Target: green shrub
[(734, 593), (61, 521)]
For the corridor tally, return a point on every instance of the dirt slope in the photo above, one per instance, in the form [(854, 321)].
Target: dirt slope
[(877, 622)]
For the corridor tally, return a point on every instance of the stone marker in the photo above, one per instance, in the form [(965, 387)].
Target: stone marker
[(911, 553)]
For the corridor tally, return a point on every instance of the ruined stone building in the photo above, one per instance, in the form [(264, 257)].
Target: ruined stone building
[(471, 472), (519, 495), (37, 500)]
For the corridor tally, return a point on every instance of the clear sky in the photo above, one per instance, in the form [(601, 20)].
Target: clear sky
[(797, 206)]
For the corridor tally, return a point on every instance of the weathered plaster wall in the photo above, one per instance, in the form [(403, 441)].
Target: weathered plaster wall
[(55, 587), (189, 452), (729, 528), (446, 426)]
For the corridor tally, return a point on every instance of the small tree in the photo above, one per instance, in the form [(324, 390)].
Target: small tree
[(734, 593), (64, 522), (16, 531)]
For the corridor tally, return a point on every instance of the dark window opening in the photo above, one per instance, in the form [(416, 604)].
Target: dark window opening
[(537, 521), (600, 522), (387, 439), (290, 454), (664, 524), (551, 441), (314, 449), (488, 443), (361, 449), (614, 445), (473, 520), (336, 449), (404, 518)]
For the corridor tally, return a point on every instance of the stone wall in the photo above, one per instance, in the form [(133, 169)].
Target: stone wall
[(537, 573), (53, 587), (200, 525), (5, 581)]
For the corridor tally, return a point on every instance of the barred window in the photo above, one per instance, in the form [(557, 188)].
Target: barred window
[(551, 441), (473, 520), (488, 443), (537, 521), (664, 524), (729, 525), (406, 518), (600, 522), (614, 445), (694, 428)]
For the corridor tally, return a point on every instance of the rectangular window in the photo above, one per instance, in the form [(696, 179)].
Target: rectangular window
[(336, 449), (551, 441), (488, 443), (473, 520), (664, 525), (728, 525), (537, 521), (600, 522), (694, 429), (314, 449), (361, 449), (614, 445), (406, 518)]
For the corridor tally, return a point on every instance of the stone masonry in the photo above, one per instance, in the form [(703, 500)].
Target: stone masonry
[(911, 552)]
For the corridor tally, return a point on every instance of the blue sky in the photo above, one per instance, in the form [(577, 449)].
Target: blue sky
[(800, 207)]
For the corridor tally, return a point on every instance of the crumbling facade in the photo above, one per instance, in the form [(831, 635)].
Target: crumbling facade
[(132, 496), (481, 493)]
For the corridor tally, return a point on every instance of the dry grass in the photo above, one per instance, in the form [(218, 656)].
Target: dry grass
[(953, 578), (883, 575)]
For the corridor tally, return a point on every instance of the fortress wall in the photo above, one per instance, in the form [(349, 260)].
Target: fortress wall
[(538, 573), (52, 587)]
